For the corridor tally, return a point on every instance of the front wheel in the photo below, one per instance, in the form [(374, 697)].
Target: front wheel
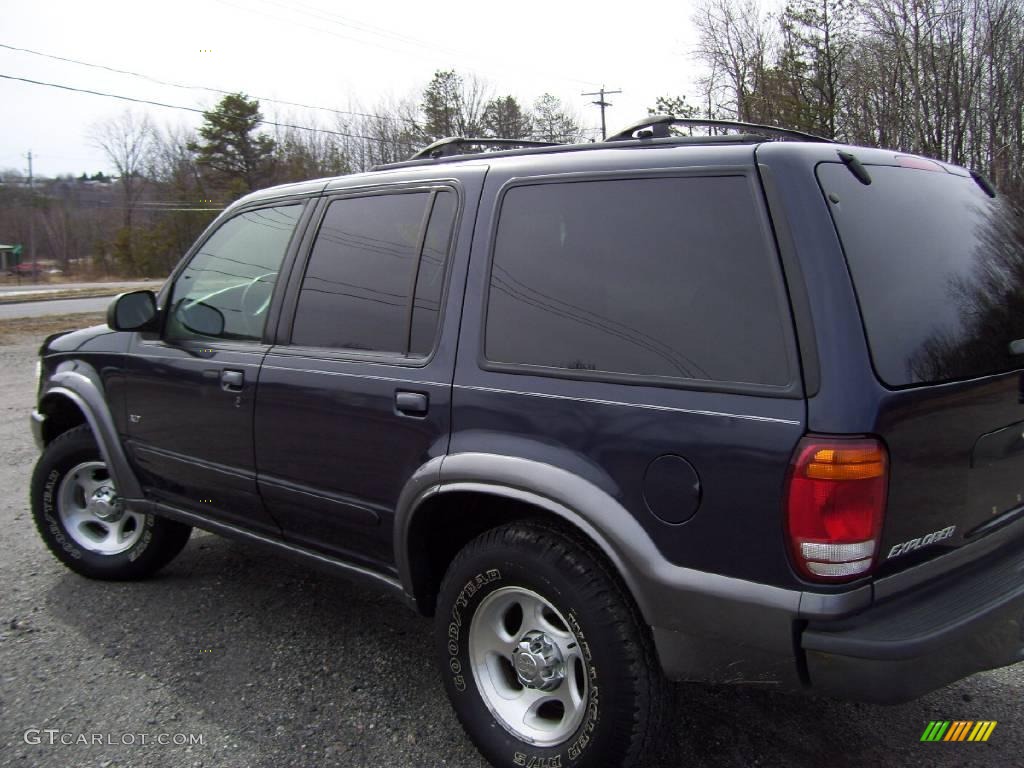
[(544, 655), (85, 524)]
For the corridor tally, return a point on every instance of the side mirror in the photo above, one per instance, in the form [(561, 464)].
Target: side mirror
[(1017, 347), (200, 318), (135, 311)]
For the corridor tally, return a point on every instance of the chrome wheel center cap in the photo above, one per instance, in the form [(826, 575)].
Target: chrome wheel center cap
[(538, 662), (105, 504)]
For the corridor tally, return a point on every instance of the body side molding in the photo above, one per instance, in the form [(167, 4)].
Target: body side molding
[(332, 564), (669, 596)]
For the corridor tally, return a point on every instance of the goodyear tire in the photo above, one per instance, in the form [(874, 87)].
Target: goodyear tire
[(544, 656), (80, 518)]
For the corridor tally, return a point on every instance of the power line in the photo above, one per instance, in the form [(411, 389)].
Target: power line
[(195, 87), (361, 26), (333, 18), (220, 91), (187, 109)]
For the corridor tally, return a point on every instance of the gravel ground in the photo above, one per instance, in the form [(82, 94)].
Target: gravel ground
[(275, 665)]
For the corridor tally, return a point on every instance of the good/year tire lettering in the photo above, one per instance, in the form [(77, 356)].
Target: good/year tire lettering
[(455, 627)]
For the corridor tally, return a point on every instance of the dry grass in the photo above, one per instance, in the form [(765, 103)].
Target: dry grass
[(28, 329)]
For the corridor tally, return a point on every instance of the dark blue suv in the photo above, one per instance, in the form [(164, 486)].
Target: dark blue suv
[(724, 408)]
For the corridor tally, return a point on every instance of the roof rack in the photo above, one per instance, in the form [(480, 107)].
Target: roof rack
[(658, 127), (453, 144), (730, 138)]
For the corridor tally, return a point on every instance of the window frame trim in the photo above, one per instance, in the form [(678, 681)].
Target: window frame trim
[(793, 389), (283, 343)]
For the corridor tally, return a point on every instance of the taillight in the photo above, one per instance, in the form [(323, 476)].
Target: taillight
[(835, 501)]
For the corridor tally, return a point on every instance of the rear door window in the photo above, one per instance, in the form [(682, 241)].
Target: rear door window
[(375, 275), (938, 267), (432, 269), (637, 278)]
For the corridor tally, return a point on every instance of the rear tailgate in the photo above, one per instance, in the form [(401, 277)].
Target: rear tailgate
[(938, 269)]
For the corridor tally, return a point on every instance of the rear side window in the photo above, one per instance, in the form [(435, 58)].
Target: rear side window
[(366, 269), (938, 267), (658, 277)]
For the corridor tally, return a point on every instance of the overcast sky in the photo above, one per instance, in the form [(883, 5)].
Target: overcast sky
[(333, 54)]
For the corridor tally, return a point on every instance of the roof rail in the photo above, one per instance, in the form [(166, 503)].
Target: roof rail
[(731, 138), (453, 144), (657, 127)]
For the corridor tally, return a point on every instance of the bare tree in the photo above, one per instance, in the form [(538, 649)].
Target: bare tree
[(553, 121), (126, 140), (735, 38), (175, 174), (937, 77), (306, 154), (388, 132), (172, 163)]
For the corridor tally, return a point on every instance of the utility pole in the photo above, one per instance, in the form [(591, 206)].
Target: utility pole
[(602, 104), (32, 219)]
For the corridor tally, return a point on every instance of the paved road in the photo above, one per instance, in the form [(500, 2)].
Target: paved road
[(55, 307), (275, 665), (12, 289)]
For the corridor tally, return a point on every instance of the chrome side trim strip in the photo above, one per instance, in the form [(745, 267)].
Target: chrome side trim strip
[(595, 401)]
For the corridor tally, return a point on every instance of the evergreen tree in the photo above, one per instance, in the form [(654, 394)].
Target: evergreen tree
[(452, 106), (441, 106), (504, 118), (675, 106), (241, 158), (817, 38)]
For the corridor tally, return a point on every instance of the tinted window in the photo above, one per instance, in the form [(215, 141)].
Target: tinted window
[(653, 277), (430, 280), (938, 267), (233, 275), (355, 294)]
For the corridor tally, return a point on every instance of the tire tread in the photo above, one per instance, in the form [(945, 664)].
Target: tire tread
[(601, 585), (170, 537)]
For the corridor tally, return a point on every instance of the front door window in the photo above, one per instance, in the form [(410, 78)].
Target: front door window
[(225, 290)]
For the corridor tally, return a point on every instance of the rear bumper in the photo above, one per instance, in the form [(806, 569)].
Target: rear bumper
[(902, 648)]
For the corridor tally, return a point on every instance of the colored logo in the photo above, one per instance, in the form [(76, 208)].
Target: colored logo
[(958, 730)]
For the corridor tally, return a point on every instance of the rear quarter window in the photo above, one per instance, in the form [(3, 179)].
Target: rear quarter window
[(666, 278)]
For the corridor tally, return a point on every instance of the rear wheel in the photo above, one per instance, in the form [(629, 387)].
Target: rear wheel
[(85, 524), (544, 655)]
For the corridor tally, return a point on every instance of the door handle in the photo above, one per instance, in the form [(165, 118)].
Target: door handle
[(411, 403), (232, 381)]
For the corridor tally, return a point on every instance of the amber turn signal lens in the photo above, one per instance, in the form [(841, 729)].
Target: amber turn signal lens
[(846, 464)]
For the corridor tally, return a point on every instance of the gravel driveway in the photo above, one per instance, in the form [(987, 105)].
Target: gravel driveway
[(271, 665)]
